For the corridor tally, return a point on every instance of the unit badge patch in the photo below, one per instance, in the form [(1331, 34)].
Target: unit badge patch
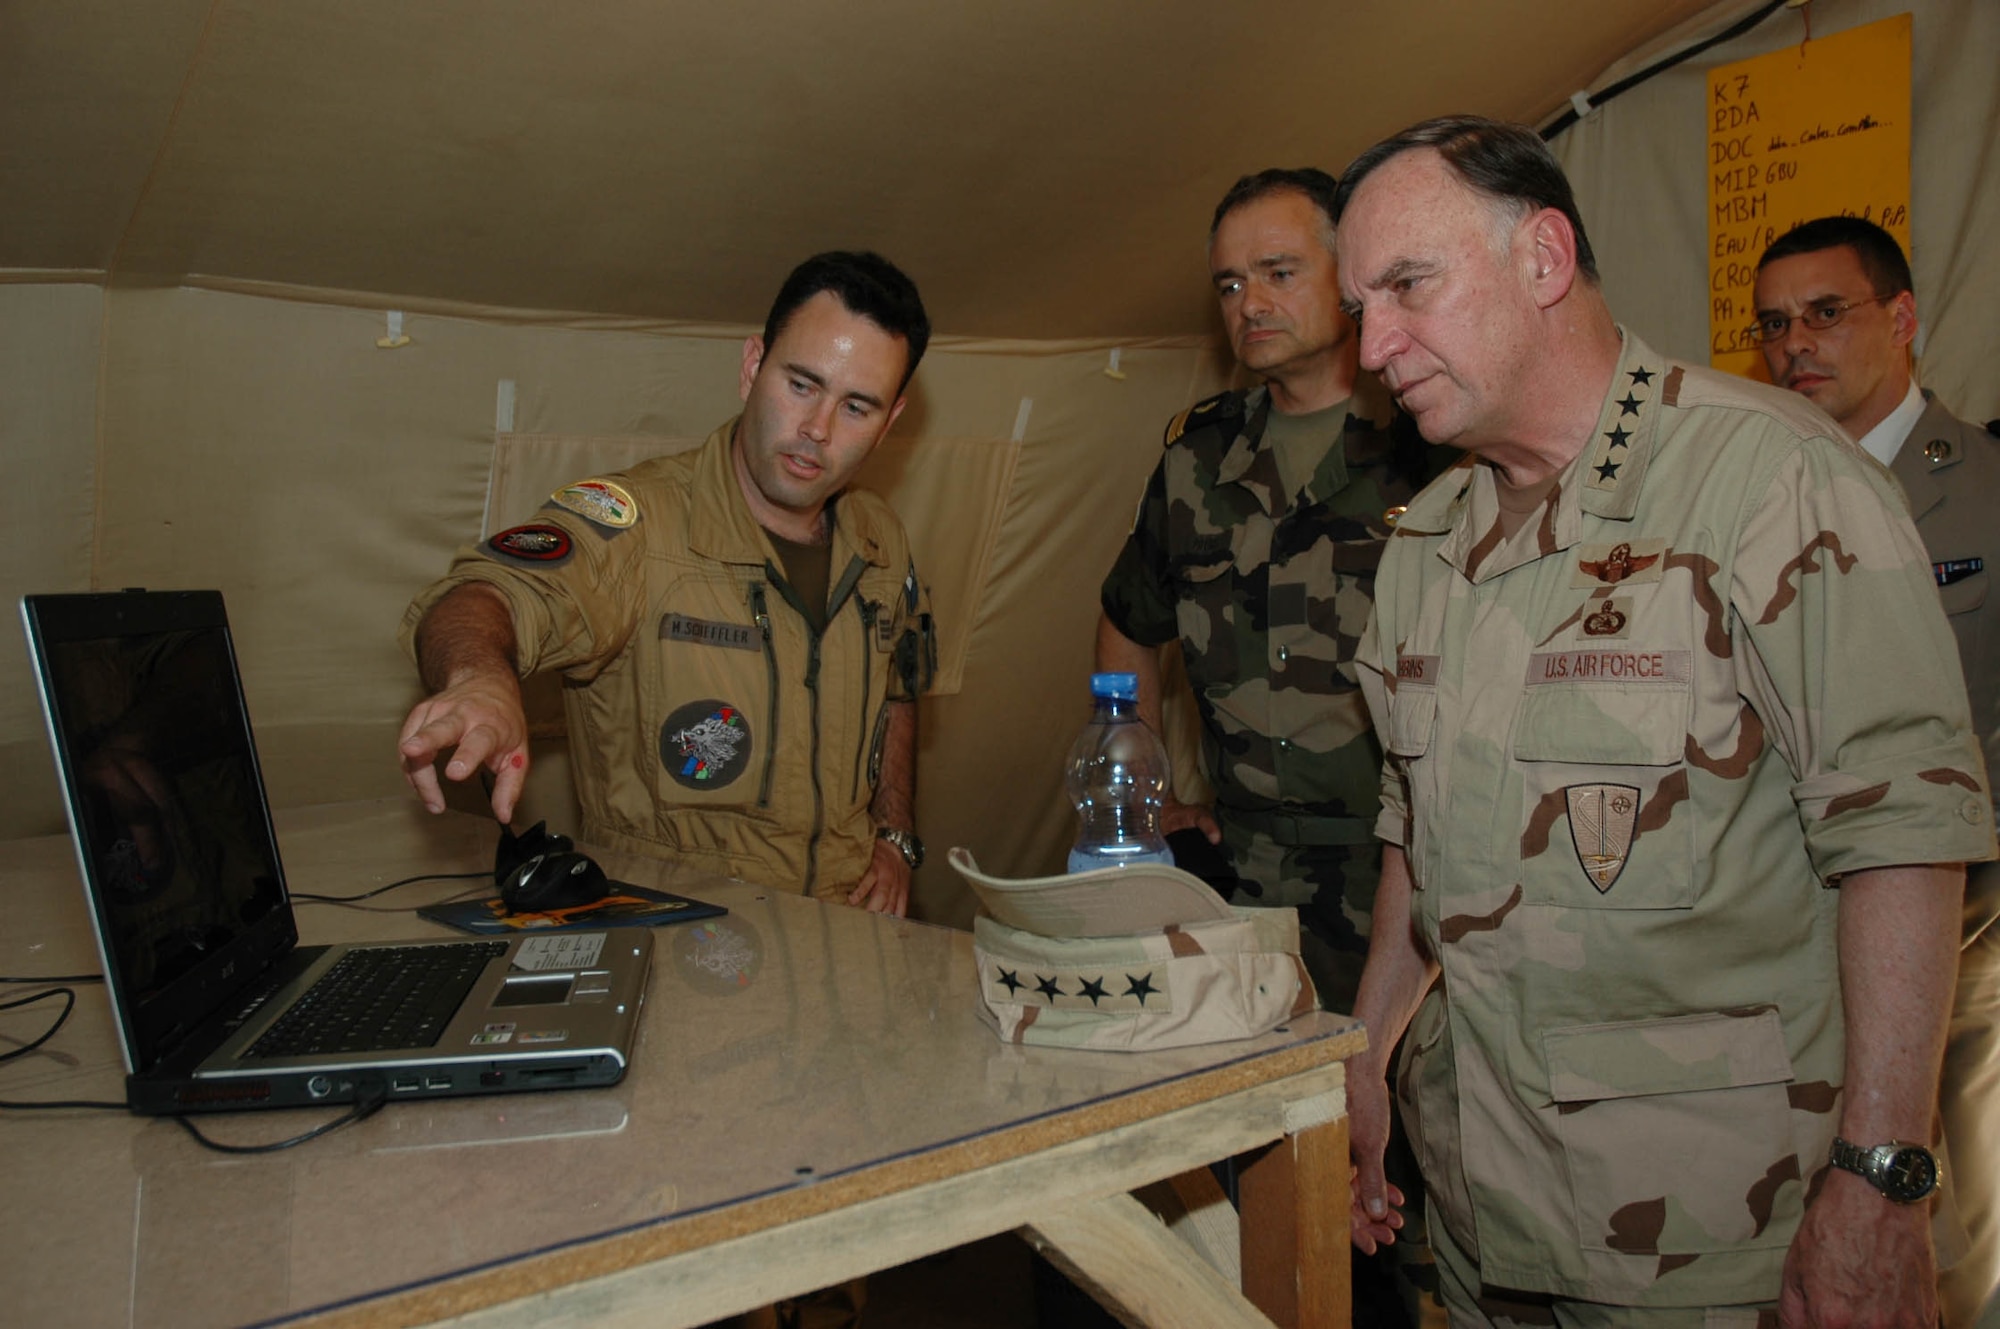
[(532, 544), (1632, 561), (1602, 821), (705, 744), (1610, 617), (600, 501)]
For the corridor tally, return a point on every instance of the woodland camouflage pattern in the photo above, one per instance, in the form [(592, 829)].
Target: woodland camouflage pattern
[(1628, 778), (1269, 594)]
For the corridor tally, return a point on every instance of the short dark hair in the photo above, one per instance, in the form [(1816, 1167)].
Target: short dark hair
[(865, 283), (1315, 184), (1500, 160), (1882, 259)]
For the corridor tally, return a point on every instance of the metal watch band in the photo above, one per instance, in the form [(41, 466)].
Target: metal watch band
[(1903, 1172), (906, 842)]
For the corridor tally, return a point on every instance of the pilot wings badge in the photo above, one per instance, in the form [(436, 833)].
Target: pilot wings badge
[(1602, 820)]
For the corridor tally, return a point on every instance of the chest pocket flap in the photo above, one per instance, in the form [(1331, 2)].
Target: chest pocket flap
[(1604, 725)]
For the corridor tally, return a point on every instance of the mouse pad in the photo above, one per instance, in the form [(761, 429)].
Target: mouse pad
[(625, 906)]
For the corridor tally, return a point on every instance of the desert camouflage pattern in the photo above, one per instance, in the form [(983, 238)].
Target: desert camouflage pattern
[(1198, 983), (1470, 1304), (678, 641), (1629, 773), (1268, 593)]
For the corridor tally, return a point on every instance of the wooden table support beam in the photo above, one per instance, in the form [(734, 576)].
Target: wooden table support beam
[(1294, 1198), (1123, 1255)]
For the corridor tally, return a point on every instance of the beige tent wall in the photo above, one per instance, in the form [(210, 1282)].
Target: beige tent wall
[(48, 438), (266, 446), (1639, 165)]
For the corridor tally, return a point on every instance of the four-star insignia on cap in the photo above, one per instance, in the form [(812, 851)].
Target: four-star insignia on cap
[(1010, 980), (1048, 987), (1140, 986)]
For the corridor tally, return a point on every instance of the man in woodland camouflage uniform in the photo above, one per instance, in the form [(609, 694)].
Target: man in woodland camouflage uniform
[(1679, 792), (1255, 546)]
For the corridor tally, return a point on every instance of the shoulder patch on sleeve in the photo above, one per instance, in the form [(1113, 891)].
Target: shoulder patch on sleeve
[(532, 544), (1223, 405), (600, 501)]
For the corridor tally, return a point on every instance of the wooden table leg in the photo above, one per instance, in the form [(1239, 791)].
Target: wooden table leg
[(1294, 1198)]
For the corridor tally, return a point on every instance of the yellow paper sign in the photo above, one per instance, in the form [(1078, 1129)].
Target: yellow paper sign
[(1815, 130)]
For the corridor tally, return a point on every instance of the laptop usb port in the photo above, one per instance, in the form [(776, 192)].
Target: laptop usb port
[(405, 1084), (437, 1082)]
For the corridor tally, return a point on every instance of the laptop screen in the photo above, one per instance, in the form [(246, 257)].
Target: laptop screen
[(165, 800)]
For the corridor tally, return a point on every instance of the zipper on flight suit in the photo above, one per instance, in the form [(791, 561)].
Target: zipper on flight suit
[(763, 621), (874, 761), (835, 600)]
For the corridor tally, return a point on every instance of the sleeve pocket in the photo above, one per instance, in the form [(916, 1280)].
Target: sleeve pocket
[(1707, 1095), (1412, 716)]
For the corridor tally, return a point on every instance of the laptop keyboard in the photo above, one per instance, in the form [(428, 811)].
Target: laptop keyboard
[(379, 999)]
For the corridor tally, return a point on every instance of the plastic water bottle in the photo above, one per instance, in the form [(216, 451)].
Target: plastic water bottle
[(1117, 778)]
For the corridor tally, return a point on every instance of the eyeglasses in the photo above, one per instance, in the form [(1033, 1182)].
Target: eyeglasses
[(1817, 318)]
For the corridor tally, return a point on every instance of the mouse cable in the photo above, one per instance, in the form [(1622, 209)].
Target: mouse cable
[(56, 978), (69, 1004), (303, 898), (361, 1110)]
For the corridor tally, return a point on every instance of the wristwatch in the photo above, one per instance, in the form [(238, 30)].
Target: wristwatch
[(907, 844), (1904, 1172)]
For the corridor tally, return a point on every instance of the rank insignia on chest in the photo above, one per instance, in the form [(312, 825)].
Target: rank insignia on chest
[(1953, 571), (1633, 561), (599, 501), (1603, 819), (532, 544)]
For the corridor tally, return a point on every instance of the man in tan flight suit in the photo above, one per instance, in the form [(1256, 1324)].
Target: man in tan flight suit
[(1836, 320), (744, 638), (1679, 786)]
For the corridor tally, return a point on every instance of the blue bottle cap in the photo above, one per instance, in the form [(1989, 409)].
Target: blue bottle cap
[(1122, 687)]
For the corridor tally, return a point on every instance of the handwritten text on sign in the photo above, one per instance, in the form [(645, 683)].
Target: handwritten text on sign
[(1809, 131)]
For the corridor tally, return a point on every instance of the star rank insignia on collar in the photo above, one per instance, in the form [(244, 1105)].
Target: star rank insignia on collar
[(1140, 986), (1010, 980), (1606, 463), (1048, 987), (1094, 989)]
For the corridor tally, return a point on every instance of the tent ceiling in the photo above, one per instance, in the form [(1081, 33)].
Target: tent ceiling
[(1044, 168)]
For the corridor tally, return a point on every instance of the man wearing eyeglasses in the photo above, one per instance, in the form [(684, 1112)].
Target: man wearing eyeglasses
[(1836, 316)]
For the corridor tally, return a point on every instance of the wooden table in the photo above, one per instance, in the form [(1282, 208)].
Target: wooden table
[(812, 1098)]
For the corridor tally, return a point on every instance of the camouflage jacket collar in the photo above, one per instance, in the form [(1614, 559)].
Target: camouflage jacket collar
[(1253, 463), (720, 525), (1603, 481)]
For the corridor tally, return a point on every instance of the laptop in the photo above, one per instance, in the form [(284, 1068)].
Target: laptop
[(218, 1006)]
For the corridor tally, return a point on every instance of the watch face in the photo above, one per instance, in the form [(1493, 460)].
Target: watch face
[(1910, 1174)]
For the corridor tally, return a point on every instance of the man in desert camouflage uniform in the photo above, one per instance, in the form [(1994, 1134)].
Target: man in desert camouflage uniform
[(1687, 878), (1255, 546)]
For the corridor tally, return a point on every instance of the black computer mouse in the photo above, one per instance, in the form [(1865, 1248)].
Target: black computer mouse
[(553, 881)]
